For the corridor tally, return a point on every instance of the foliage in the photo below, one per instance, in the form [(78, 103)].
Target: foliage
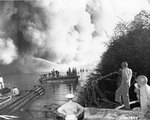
[(131, 43), (91, 95)]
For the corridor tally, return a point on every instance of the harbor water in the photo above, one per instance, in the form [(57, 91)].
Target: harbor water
[(55, 92)]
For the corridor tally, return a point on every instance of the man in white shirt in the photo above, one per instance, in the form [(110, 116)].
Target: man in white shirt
[(1, 82), (70, 110), (123, 90), (144, 93), (15, 91)]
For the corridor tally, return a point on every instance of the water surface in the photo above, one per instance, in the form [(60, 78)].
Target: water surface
[(55, 92)]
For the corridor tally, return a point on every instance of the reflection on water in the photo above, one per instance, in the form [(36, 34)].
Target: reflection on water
[(55, 92)]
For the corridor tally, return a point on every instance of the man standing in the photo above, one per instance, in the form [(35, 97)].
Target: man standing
[(15, 91), (119, 79), (1, 82), (123, 90), (70, 110)]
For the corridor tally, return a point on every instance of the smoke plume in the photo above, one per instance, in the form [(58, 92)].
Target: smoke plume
[(23, 26), (8, 51), (42, 34)]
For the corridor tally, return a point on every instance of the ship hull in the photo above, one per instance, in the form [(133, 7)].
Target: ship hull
[(60, 79)]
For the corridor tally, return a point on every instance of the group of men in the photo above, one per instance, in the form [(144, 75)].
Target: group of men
[(54, 73), (71, 110), (142, 89), (72, 72)]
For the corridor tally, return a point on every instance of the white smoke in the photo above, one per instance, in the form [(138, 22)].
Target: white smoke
[(79, 27), (8, 51), (75, 34), (71, 31), (38, 37), (114, 11)]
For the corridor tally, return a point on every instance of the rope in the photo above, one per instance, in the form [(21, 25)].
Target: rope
[(7, 117), (10, 97)]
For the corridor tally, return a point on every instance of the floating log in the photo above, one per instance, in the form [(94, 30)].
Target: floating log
[(23, 94), (24, 99), (24, 102), (9, 103), (18, 99)]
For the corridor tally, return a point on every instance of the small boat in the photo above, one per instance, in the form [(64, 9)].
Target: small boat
[(59, 79), (54, 76)]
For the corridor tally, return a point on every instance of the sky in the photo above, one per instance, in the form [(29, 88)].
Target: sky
[(41, 35)]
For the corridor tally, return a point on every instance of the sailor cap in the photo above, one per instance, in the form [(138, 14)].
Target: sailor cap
[(70, 96)]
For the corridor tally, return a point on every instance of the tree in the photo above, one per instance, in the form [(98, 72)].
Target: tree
[(130, 43)]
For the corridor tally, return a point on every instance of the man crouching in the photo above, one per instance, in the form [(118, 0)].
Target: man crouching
[(144, 96)]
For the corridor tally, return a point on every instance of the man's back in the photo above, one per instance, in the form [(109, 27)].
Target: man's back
[(15, 91), (70, 107), (1, 83), (1, 79), (126, 76), (145, 97)]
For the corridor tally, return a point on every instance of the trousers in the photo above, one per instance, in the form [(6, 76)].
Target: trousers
[(123, 92), (71, 117)]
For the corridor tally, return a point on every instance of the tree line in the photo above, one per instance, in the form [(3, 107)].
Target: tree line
[(130, 43)]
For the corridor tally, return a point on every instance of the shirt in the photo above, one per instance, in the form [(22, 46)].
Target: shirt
[(70, 108), (1, 79), (126, 76), (136, 89), (145, 97), (1, 83), (15, 91)]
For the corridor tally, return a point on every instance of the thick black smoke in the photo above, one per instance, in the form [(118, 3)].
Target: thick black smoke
[(26, 23), (26, 19)]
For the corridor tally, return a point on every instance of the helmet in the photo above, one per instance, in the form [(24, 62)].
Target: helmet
[(142, 79)]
